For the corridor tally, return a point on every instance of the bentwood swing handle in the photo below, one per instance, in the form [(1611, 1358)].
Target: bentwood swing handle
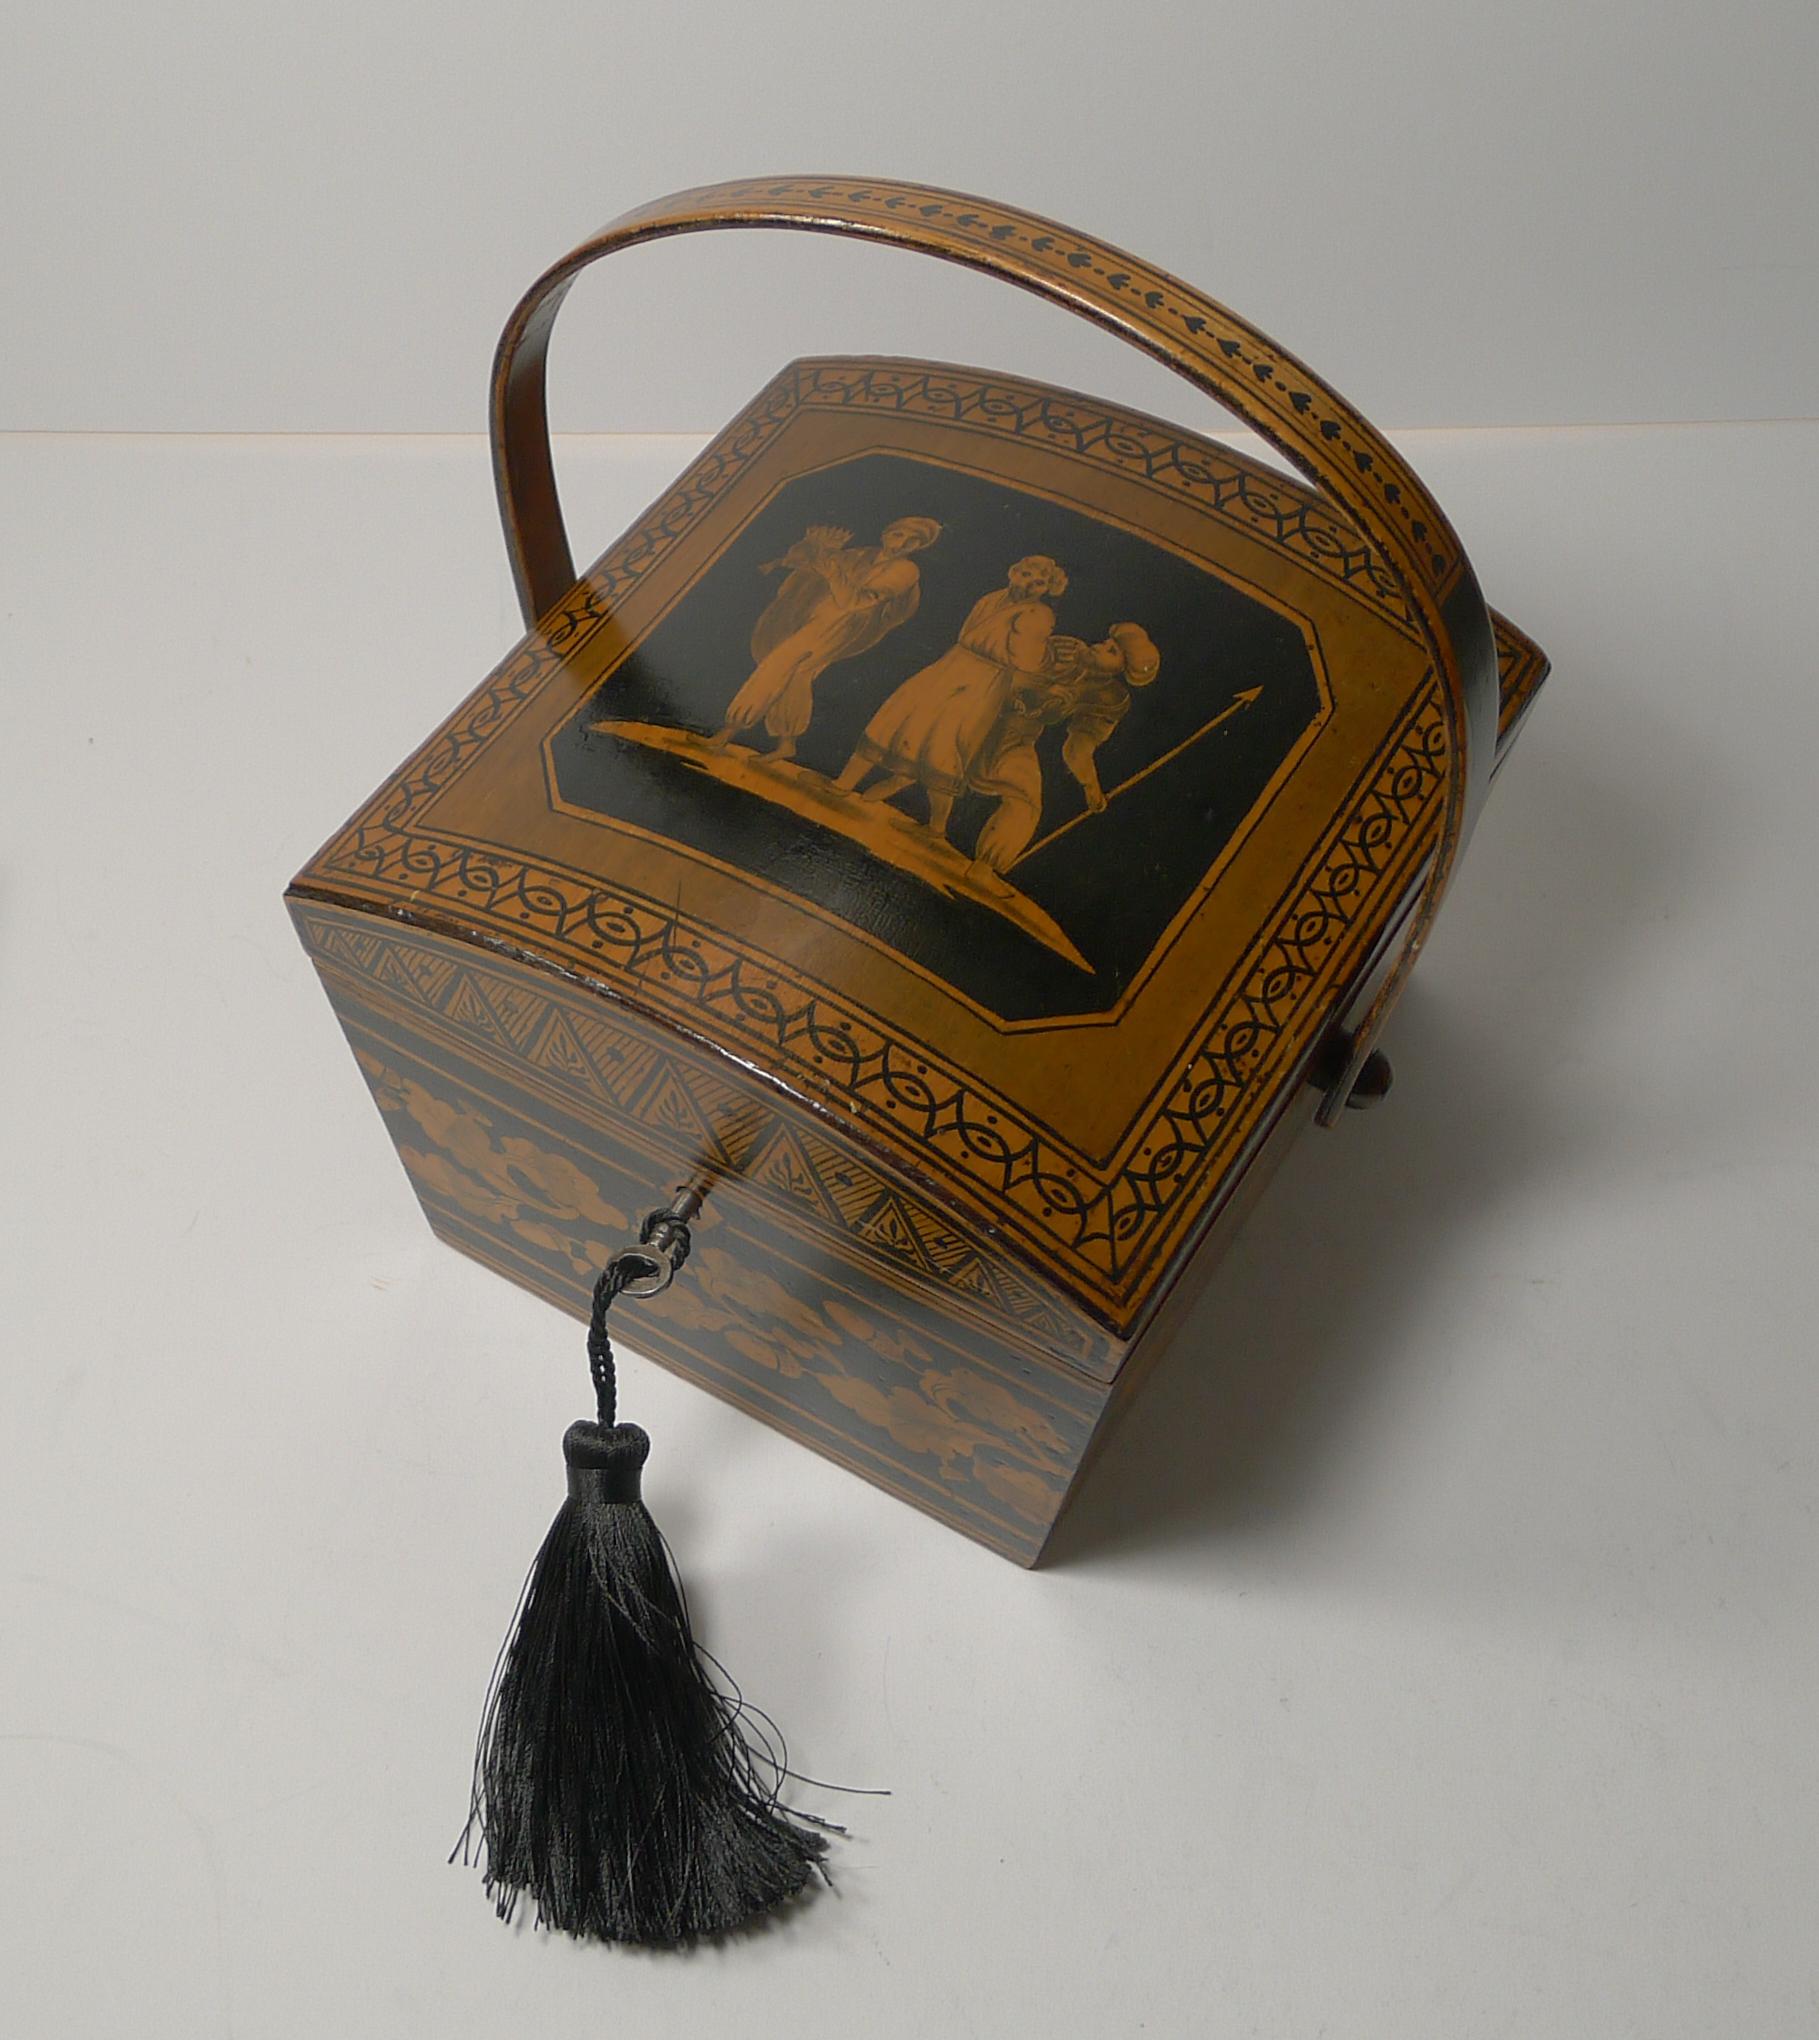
[(1364, 478)]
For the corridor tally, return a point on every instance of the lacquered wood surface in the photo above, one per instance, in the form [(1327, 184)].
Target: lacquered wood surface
[(1304, 418), (947, 831), (1091, 1139)]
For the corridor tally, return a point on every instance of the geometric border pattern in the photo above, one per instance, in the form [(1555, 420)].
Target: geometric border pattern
[(1286, 516), (630, 1077)]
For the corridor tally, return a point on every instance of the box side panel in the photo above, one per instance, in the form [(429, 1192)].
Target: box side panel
[(588, 1054), (1192, 1281), (1176, 1305), (774, 1315)]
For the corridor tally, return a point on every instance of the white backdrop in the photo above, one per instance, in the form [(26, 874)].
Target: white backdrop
[(1433, 1655), (1433, 1652), (235, 215)]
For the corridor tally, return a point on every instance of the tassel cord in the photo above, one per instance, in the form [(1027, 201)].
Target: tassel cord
[(668, 1232), (613, 1278)]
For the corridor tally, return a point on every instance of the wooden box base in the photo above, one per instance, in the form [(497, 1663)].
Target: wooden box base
[(484, 1077)]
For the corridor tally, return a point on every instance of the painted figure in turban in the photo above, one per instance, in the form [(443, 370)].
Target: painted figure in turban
[(934, 727), (1084, 690), (839, 600)]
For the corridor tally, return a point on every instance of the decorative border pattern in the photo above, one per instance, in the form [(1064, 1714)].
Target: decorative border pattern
[(642, 1081), (1097, 1225), (1286, 516)]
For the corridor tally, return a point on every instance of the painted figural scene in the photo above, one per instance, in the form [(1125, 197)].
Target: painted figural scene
[(970, 720), (953, 709)]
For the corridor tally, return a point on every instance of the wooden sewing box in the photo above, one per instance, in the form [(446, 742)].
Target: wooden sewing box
[(963, 830)]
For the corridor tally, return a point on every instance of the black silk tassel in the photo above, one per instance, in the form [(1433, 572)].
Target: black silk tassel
[(617, 1791)]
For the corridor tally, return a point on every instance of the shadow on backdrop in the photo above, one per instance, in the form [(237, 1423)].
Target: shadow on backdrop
[(1235, 1432)]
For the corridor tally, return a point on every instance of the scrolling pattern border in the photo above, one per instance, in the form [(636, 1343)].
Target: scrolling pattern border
[(1238, 491)]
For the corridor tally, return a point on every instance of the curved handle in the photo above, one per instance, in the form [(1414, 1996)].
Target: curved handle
[(1304, 418)]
